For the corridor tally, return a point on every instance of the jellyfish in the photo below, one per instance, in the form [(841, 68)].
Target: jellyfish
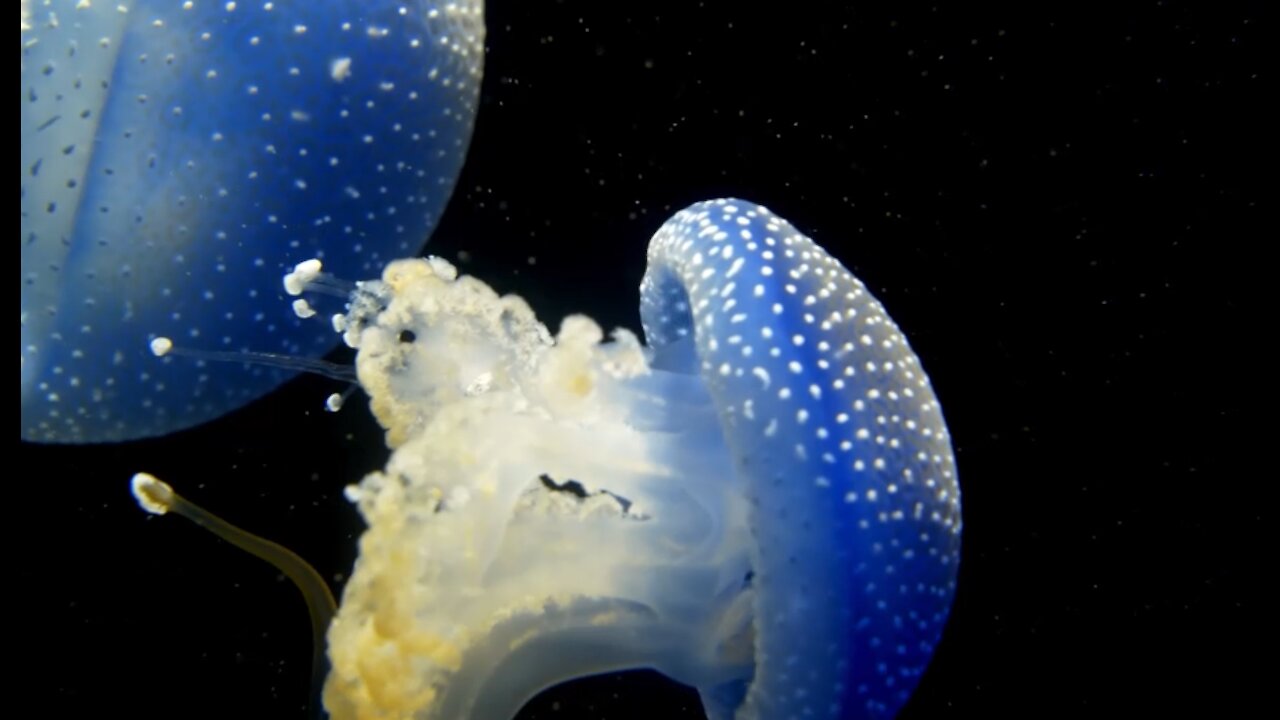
[(178, 156), (759, 501)]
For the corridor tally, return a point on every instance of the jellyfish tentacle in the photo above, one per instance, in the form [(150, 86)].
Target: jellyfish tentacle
[(163, 347), (158, 497)]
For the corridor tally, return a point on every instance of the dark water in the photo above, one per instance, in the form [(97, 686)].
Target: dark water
[(1054, 203)]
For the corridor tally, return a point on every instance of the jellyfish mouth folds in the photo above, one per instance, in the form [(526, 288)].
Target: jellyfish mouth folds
[(553, 508)]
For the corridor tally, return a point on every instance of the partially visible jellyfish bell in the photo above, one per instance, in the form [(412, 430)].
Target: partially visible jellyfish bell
[(178, 156), (761, 502)]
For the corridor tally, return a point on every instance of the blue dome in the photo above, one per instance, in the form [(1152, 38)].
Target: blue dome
[(178, 157)]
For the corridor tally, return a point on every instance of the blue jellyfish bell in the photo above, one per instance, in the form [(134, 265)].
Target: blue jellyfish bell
[(177, 156)]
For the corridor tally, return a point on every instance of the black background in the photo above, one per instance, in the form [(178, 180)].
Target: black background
[(1059, 205)]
